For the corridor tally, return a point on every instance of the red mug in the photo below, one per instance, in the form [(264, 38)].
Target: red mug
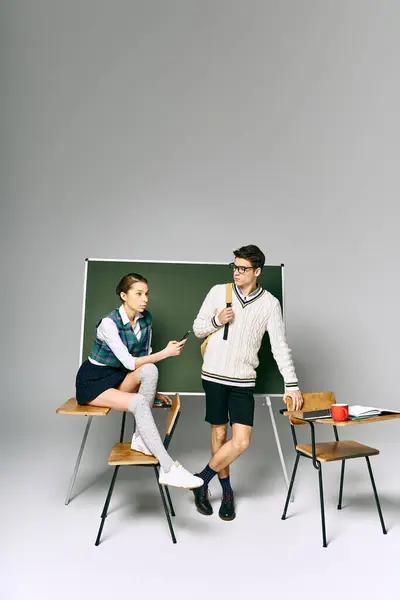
[(340, 412)]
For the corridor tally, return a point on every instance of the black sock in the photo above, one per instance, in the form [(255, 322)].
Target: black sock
[(226, 486), (207, 474)]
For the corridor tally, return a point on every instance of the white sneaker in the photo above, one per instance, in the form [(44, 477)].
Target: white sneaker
[(139, 445), (179, 477)]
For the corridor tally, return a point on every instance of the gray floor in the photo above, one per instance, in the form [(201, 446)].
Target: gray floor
[(48, 548)]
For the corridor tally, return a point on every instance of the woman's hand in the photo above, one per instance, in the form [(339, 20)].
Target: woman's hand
[(162, 400), (173, 348)]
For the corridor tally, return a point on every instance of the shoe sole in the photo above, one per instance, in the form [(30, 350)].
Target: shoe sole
[(183, 487), (227, 518), (140, 452), (204, 513)]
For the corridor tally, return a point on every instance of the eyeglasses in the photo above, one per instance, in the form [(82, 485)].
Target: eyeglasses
[(239, 269)]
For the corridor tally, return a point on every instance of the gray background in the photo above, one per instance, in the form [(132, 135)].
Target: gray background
[(179, 130)]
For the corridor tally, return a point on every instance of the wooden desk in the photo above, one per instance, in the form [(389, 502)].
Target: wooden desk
[(375, 419)]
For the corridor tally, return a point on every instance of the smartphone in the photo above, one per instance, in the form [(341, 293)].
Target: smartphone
[(186, 335)]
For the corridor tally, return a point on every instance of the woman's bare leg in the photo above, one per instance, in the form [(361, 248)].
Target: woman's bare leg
[(131, 382), (112, 398)]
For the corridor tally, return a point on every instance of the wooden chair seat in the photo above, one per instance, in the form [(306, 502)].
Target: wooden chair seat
[(122, 454), (71, 407), (330, 451)]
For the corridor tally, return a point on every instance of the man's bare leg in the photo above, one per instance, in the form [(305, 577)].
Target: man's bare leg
[(231, 450), (201, 495), (227, 509), (218, 439), (223, 457)]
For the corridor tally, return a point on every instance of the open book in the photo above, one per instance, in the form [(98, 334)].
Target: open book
[(358, 411)]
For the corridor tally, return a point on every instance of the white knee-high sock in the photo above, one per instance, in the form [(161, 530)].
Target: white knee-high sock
[(148, 382), (148, 431)]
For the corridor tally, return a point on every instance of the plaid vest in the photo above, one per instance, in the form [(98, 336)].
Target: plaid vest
[(104, 355)]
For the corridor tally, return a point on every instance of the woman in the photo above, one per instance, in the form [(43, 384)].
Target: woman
[(120, 373)]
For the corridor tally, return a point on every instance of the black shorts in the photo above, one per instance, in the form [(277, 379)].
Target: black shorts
[(92, 380), (228, 403)]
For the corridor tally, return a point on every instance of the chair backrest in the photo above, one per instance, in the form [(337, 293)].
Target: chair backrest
[(173, 414), (312, 401)]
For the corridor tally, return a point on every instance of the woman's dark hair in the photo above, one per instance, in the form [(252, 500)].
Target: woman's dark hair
[(253, 254), (127, 282)]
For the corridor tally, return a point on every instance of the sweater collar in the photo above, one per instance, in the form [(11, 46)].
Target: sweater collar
[(257, 291)]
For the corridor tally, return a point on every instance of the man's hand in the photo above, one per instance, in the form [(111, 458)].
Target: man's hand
[(225, 316), (293, 400)]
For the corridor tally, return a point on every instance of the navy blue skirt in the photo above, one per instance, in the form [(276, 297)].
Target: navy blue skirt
[(92, 380)]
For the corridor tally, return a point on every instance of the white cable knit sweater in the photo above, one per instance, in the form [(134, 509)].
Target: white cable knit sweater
[(233, 361)]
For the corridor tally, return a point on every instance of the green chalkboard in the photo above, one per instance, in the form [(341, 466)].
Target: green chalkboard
[(177, 291)]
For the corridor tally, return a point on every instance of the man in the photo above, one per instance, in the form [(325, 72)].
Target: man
[(228, 371)]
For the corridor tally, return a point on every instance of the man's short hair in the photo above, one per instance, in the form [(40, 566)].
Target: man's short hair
[(253, 254)]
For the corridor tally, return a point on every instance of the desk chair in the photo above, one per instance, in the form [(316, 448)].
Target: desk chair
[(122, 455), (326, 452), (71, 407)]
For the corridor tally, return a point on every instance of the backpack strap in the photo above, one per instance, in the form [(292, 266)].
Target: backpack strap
[(229, 288), (228, 298)]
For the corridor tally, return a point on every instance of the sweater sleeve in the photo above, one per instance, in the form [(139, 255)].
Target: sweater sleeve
[(206, 321), (280, 349)]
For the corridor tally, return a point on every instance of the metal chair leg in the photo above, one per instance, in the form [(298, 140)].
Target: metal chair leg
[(171, 508), (121, 437), (278, 443), (321, 498), (376, 496), (289, 493), (78, 461), (106, 505), (341, 485), (160, 487)]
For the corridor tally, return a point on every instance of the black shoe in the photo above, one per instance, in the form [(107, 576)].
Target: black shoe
[(201, 500), (227, 509)]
